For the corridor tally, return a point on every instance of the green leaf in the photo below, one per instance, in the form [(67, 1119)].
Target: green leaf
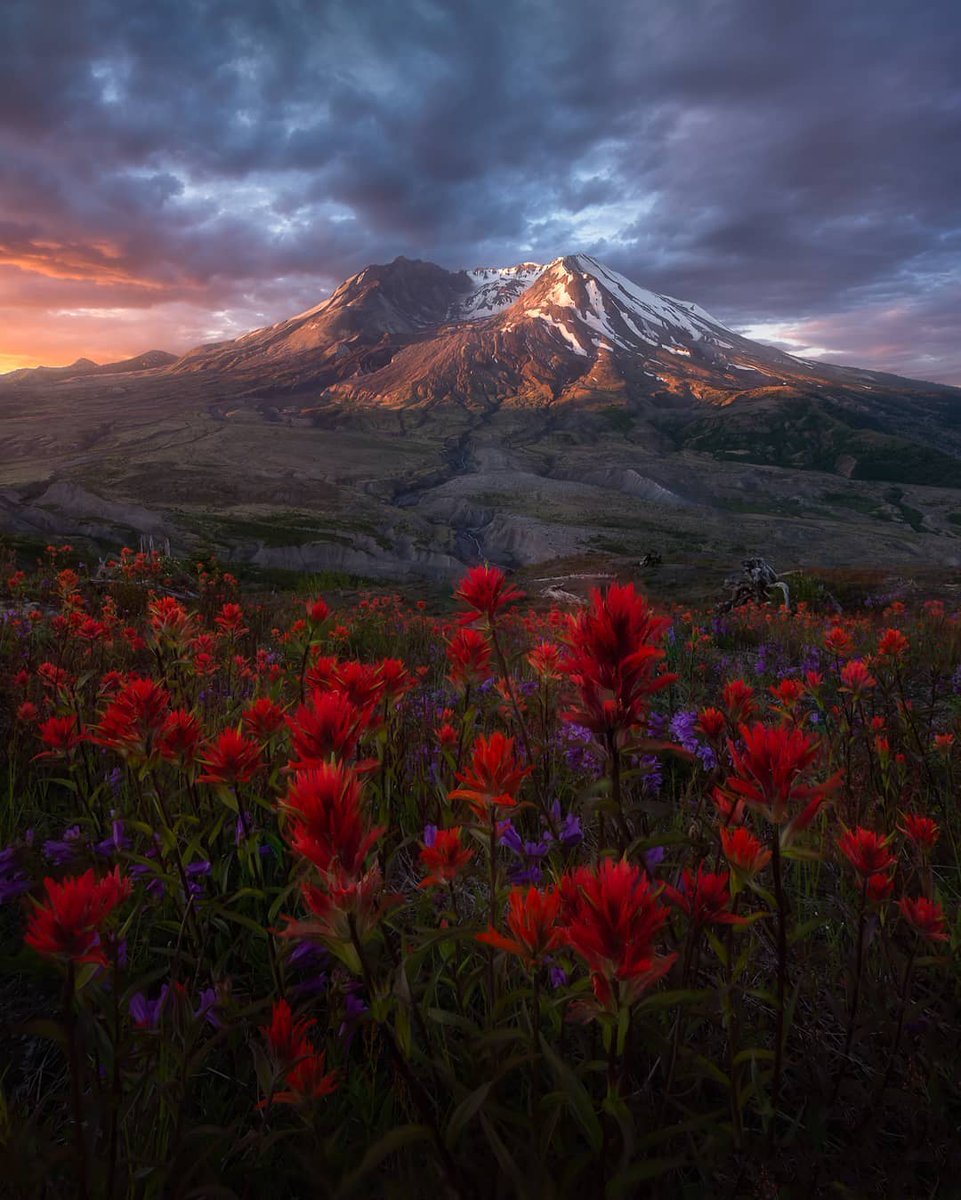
[(673, 999), (753, 1054), (579, 1100), (390, 1143), (801, 931), (503, 1156), (53, 1031), (624, 1184), (465, 1112)]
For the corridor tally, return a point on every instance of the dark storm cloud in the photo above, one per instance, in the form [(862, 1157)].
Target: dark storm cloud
[(793, 167)]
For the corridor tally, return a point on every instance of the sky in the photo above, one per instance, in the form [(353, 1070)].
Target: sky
[(177, 172)]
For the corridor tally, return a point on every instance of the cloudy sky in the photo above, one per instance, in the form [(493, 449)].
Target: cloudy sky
[(179, 171)]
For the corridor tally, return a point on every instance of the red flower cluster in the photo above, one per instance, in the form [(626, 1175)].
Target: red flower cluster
[(769, 773), (230, 759), (926, 917), (611, 917), (532, 917), (705, 897), (445, 858), (743, 851), (327, 825), (493, 778), (469, 655), (486, 593), (329, 726), (132, 720), (70, 922), (613, 661), (922, 831), (303, 1067), (866, 851)]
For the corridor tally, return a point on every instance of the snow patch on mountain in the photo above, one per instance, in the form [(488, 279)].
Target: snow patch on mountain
[(494, 289)]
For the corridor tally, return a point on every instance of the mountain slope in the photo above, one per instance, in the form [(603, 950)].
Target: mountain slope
[(419, 418)]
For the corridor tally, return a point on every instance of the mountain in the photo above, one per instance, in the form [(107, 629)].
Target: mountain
[(419, 418), (150, 360), (410, 333)]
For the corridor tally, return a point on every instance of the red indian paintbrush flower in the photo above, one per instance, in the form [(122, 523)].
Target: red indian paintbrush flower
[(361, 682), (788, 692), (838, 641), (69, 923), (317, 611), (485, 592), (546, 658), (179, 737), (893, 644), (922, 831), (445, 857), (493, 778), (232, 758), (737, 700), (263, 719), (925, 916), (866, 851), (230, 620), (469, 655), (342, 908), (769, 771), (880, 888), (329, 726), (60, 736), (131, 721), (287, 1036), (705, 897), (743, 851), (170, 621), (856, 678), (302, 1065), (610, 917), (613, 660), (395, 680), (327, 823), (712, 723), (532, 917)]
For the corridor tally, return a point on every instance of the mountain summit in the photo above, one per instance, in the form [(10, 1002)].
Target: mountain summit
[(409, 333)]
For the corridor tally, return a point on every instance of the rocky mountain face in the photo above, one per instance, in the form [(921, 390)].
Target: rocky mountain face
[(420, 418)]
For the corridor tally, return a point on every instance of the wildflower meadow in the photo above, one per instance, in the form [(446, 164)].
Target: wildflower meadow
[(484, 898)]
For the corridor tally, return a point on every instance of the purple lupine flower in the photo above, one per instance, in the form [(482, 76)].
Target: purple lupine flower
[(117, 840), (557, 975), (653, 858), (579, 749), (146, 1013), (528, 870), (685, 732), (14, 880), (207, 1009), (61, 851), (656, 724), (653, 777), (196, 871), (115, 779), (430, 835), (570, 832), (143, 871), (354, 1008)]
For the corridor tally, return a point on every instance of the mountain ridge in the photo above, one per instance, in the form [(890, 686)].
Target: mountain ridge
[(418, 419)]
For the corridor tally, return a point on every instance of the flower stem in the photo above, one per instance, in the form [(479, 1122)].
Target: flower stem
[(73, 1058)]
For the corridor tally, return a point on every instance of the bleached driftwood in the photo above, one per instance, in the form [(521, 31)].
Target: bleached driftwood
[(757, 580)]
